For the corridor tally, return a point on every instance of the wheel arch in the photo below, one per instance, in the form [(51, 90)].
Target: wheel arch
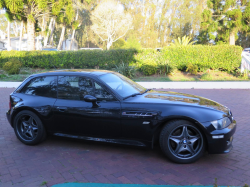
[(19, 109), (155, 137)]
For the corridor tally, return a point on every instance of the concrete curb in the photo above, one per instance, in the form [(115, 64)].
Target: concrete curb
[(196, 85), (172, 85)]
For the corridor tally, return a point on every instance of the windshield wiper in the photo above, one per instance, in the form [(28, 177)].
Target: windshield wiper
[(132, 95), (136, 94), (146, 91)]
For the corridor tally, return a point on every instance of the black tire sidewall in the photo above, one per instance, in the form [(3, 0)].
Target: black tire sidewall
[(165, 133), (41, 131)]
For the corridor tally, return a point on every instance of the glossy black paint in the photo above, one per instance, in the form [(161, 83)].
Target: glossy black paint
[(132, 120)]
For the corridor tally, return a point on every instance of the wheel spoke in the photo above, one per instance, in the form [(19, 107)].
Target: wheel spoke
[(193, 139), (30, 121), (176, 139), (179, 149), (25, 131), (184, 132), (30, 132), (190, 149), (34, 128)]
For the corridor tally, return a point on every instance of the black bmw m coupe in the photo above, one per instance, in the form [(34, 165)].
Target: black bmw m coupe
[(106, 106)]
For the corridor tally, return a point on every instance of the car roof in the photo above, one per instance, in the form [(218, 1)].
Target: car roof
[(92, 72)]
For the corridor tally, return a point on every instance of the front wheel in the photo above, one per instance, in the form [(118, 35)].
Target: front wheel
[(182, 142), (29, 128)]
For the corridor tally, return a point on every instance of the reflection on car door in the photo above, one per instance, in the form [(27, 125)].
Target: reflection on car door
[(75, 116)]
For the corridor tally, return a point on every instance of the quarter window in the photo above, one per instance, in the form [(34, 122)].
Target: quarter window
[(41, 86)]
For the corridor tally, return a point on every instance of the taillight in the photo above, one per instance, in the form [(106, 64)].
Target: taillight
[(9, 105)]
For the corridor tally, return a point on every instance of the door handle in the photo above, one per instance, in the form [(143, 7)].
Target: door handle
[(61, 109)]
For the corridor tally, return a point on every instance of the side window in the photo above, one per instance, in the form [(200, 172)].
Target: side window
[(68, 87), (75, 88), (41, 86), (101, 94)]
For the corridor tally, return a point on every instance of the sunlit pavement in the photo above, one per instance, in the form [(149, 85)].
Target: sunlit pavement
[(61, 160)]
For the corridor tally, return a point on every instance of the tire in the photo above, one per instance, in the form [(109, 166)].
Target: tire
[(182, 142), (29, 128)]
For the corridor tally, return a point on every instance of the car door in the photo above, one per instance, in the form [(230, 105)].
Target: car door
[(75, 116)]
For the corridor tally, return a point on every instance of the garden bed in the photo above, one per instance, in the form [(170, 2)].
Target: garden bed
[(212, 75)]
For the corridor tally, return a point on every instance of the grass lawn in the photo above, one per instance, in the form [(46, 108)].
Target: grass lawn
[(213, 75)]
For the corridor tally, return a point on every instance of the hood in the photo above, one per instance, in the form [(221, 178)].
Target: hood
[(162, 97)]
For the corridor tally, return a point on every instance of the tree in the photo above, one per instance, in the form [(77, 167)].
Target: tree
[(223, 19), (33, 9), (110, 22)]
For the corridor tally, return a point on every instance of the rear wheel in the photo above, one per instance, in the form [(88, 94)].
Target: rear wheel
[(182, 142), (29, 128)]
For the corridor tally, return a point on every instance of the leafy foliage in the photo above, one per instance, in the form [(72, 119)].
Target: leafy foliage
[(70, 59), (223, 57), (192, 68), (223, 20), (185, 40), (149, 67), (13, 66), (125, 69), (149, 61)]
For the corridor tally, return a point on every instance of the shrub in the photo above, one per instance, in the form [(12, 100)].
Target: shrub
[(70, 59), (125, 69), (223, 57), (118, 44), (149, 67), (206, 77), (192, 68), (164, 66), (12, 67)]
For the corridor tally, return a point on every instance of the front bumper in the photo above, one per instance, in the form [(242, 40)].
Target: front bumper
[(220, 141)]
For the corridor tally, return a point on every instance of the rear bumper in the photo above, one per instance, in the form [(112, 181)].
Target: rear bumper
[(220, 141), (8, 114)]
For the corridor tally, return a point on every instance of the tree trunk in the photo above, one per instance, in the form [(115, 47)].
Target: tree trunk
[(61, 39), (21, 34), (72, 39), (47, 35), (109, 43), (31, 35), (73, 33), (51, 33), (15, 28), (9, 44), (232, 38)]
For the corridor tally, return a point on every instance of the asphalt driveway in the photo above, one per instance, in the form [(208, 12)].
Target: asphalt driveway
[(60, 160)]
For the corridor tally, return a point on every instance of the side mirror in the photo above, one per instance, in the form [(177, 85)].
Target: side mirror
[(90, 98)]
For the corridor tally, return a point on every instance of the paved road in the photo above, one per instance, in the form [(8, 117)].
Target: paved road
[(60, 160)]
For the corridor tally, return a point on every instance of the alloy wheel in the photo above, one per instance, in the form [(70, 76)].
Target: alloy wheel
[(185, 142), (27, 127)]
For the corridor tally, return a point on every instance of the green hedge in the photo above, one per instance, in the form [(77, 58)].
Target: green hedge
[(70, 59), (223, 57)]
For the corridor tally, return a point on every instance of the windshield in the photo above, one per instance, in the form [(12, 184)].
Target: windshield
[(122, 85)]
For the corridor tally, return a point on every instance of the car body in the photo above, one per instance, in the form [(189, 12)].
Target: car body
[(246, 50), (106, 106), (49, 49)]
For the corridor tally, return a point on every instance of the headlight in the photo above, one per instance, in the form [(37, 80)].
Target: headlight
[(221, 123)]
